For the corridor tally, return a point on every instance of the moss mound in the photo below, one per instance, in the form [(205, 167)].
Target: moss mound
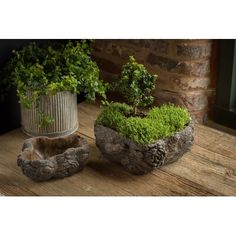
[(160, 122)]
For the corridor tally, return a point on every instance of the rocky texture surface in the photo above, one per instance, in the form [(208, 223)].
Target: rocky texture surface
[(43, 158), (139, 159)]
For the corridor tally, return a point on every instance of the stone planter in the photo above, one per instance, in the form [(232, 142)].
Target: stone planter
[(62, 107), (43, 158), (139, 159)]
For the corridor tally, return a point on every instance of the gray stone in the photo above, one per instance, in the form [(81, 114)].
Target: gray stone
[(43, 158), (141, 159)]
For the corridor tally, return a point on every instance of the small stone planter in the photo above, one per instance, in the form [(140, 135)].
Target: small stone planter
[(139, 159), (43, 158), (62, 107)]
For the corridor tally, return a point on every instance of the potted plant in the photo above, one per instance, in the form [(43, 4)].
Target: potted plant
[(47, 79), (142, 140)]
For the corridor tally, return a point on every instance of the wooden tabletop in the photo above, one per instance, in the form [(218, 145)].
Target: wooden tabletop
[(209, 169)]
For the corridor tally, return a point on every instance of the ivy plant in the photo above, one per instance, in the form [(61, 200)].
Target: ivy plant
[(54, 67), (136, 84)]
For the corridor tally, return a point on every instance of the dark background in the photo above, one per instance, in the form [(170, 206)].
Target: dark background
[(9, 107)]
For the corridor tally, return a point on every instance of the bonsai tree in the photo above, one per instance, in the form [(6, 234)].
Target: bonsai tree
[(136, 84), (142, 142)]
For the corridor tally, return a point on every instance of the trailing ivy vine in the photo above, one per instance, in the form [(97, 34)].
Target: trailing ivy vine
[(51, 68)]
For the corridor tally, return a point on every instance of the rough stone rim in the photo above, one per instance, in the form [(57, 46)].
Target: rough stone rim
[(124, 150), (40, 168)]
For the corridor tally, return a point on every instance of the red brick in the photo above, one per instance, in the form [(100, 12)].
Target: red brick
[(183, 67), (178, 82), (192, 68), (193, 51), (193, 101), (200, 68)]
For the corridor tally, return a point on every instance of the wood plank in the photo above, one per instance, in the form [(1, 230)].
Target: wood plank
[(99, 178), (87, 115), (220, 127), (94, 111), (209, 169), (9, 184), (79, 184), (156, 183), (216, 141), (212, 171), (204, 136)]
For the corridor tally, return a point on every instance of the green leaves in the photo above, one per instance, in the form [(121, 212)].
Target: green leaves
[(140, 130), (56, 67), (170, 115), (136, 84), (44, 119), (113, 115), (44, 68), (160, 122)]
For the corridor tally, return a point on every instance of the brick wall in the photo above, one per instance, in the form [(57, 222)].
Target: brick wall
[(183, 68)]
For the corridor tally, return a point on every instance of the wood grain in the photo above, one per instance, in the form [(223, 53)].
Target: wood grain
[(209, 169)]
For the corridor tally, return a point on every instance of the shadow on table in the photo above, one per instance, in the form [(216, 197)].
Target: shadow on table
[(110, 170)]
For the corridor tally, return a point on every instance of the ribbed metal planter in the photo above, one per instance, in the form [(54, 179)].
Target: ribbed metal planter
[(62, 107)]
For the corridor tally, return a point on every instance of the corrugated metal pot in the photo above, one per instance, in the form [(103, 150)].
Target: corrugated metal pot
[(62, 107)]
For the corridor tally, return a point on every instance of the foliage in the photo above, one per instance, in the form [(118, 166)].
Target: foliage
[(140, 130), (171, 115), (54, 67), (160, 122), (113, 115), (136, 84), (44, 119)]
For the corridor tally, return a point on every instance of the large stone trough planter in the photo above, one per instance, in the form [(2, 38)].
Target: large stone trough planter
[(139, 159), (43, 158)]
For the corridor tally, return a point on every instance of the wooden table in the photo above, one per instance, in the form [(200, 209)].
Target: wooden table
[(209, 169)]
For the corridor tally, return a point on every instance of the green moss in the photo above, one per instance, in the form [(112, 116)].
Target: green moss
[(140, 130), (160, 122), (114, 115), (121, 107), (170, 115)]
